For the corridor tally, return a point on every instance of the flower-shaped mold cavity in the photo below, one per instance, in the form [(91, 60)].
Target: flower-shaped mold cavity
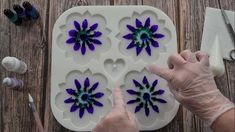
[(84, 36), (83, 98), (148, 96), (143, 36)]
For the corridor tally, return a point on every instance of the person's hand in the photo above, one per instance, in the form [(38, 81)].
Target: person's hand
[(119, 119), (192, 83)]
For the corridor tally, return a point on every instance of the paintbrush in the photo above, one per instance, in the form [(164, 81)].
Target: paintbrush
[(35, 114)]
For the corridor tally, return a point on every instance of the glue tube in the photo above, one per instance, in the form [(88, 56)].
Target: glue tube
[(13, 17)]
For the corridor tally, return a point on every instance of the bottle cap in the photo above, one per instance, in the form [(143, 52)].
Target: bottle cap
[(8, 13), (9, 63)]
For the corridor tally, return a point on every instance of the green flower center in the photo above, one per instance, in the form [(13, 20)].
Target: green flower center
[(141, 36), (82, 36), (146, 96)]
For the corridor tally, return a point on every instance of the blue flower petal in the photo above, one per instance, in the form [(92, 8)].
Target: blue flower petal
[(91, 46), (159, 92), (97, 34), (128, 36), (71, 40), (95, 41), (155, 108), (145, 80), (81, 112), (132, 92), (147, 22), (83, 48), (86, 83), (158, 35), (77, 83), (73, 33), (97, 95), (71, 91), (77, 25), (133, 101), (138, 50), (73, 108), (132, 29), (69, 100), (159, 100), (76, 46), (131, 45), (154, 84), (93, 27), (154, 28), (138, 108), (138, 23), (90, 109), (93, 88), (148, 50), (137, 84), (84, 24), (146, 109), (97, 103), (154, 43)]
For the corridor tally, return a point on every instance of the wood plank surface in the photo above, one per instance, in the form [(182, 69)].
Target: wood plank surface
[(32, 44)]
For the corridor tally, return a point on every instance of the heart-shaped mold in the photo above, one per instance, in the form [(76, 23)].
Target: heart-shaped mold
[(114, 68)]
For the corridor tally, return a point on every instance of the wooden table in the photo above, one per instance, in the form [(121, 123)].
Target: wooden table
[(32, 43)]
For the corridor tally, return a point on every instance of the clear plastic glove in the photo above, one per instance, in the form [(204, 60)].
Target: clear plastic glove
[(119, 119), (192, 83)]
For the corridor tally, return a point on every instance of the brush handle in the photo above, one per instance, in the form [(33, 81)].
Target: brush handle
[(38, 121)]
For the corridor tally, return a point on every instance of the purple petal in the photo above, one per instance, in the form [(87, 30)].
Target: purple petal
[(138, 23), (81, 112), (148, 50), (90, 109), (131, 45), (93, 27), (83, 48), (76, 46), (69, 100), (155, 108), (133, 101), (159, 100), (84, 24), (71, 40), (154, 28), (97, 95), (137, 84), (97, 34), (93, 88), (154, 43), (137, 108), (158, 35), (146, 109), (159, 92), (73, 108), (97, 103), (73, 33), (78, 85), (71, 91), (147, 22), (132, 92), (91, 46), (154, 84), (95, 41), (77, 25), (128, 36), (145, 80), (86, 83), (131, 28), (138, 50)]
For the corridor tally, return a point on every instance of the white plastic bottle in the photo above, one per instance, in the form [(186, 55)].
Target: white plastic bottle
[(13, 64), (13, 83)]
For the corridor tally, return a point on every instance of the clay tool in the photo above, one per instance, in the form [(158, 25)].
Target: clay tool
[(20, 12), (13, 83), (30, 11), (13, 64), (231, 32), (13, 17), (35, 114)]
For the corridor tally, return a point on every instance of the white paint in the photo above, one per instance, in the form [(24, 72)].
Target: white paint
[(30, 98), (216, 59), (13, 83), (214, 25), (67, 64), (13, 64)]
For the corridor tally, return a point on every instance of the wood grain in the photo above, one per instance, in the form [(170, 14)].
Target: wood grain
[(32, 44)]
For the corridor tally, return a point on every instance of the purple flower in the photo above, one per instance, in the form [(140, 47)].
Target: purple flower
[(83, 97), (146, 95), (84, 36), (143, 36)]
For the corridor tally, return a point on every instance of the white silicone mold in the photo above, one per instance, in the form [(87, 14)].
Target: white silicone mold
[(107, 62)]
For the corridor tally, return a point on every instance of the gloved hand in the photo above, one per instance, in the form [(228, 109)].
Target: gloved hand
[(119, 119), (192, 83)]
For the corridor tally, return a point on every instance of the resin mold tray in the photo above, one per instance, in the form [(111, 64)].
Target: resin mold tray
[(96, 47)]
